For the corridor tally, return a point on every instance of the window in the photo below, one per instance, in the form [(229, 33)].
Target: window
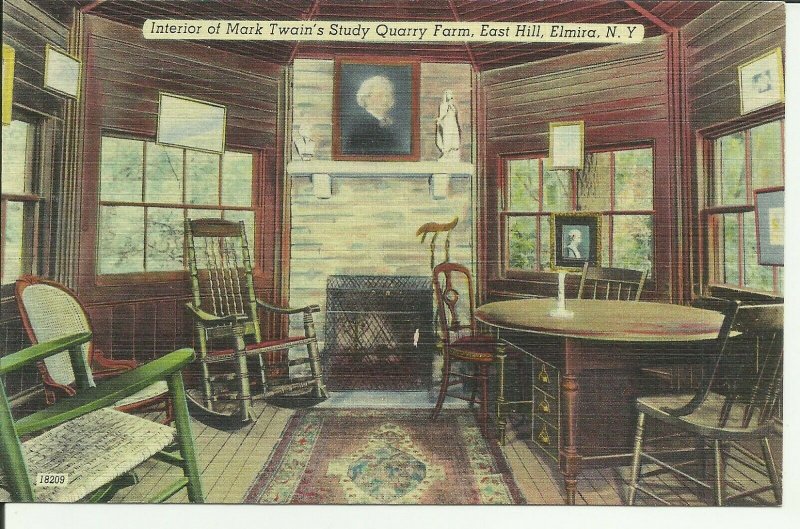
[(618, 184), (743, 162), (20, 201), (146, 192)]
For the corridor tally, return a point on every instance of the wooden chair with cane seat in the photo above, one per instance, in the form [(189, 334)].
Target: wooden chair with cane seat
[(49, 310), (738, 403), (462, 343), (225, 311), (611, 283), (82, 449)]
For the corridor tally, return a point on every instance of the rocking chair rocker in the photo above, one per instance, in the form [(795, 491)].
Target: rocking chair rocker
[(225, 311)]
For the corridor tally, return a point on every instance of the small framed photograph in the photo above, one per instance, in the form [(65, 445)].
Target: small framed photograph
[(770, 225), (8, 82), (191, 123), (566, 145), (574, 240), (761, 81), (376, 110), (62, 72)]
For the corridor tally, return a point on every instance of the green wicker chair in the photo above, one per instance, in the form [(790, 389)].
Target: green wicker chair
[(88, 448)]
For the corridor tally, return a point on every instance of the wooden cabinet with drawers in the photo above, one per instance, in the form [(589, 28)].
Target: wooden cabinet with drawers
[(546, 406)]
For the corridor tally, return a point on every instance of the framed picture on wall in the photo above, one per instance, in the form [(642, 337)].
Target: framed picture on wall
[(376, 110), (770, 225), (8, 82), (574, 239), (566, 145), (187, 122), (761, 81), (62, 72)]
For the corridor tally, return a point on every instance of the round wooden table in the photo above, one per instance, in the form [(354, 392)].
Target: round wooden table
[(601, 334)]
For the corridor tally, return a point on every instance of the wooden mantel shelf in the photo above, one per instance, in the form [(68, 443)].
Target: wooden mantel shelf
[(348, 168)]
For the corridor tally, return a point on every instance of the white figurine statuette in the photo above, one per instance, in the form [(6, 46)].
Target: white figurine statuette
[(448, 129), (304, 143)]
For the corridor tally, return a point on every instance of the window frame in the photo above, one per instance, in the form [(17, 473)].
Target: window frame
[(711, 214), (157, 276), (31, 198), (504, 213)]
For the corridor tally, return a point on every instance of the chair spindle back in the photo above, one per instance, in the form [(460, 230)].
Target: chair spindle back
[(220, 268), (611, 283)]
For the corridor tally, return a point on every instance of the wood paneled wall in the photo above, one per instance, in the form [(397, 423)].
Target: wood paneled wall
[(622, 95), (144, 317), (716, 43)]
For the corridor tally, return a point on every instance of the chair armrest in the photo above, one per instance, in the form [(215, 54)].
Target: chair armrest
[(106, 392), (41, 351), (109, 367), (286, 310), (206, 318)]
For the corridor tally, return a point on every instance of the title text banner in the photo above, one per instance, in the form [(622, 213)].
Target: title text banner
[(374, 32)]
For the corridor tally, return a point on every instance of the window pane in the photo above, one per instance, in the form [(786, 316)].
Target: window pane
[(544, 231), (594, 183), (557, 190), (522, 242), (121, 246), (164, 239), (523, 185), (755, 276), (767, 155), (15, 156), (12, 238), (605, 240), (195, 214), (237, 179), (633, 241), (202, 178), (730, 249), (633, 179), (730, 169), (163, 174), (121, 170), (249, 225)]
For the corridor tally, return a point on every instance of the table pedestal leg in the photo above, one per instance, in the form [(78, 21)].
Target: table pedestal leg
[(569, 390)]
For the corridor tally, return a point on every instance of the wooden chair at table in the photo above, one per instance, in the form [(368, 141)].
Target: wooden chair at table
[(464, 344), (738, 402), (85, 450), (611, 283), (225, 311), (49, 310)]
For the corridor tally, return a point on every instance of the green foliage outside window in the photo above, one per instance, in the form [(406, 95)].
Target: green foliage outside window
[(146, 192)]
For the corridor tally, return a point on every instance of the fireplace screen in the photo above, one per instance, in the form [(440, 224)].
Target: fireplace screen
[(378, 332)]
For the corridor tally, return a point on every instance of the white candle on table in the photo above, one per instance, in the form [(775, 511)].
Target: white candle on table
[(562, 303)]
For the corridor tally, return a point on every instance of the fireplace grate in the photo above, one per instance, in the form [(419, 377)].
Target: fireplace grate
[(371, 324)]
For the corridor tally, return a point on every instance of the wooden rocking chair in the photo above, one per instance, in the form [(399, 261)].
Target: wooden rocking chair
[(225, 312)]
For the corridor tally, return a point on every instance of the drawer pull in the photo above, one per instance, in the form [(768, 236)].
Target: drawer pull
[(544, 406), (544, 377), (543, 436)]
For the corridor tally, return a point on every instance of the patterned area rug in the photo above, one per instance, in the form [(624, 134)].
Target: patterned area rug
[(384, 457)]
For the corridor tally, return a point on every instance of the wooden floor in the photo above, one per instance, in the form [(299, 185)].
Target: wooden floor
[(230, 460)]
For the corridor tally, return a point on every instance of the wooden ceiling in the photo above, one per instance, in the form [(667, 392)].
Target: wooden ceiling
[(657, 17)]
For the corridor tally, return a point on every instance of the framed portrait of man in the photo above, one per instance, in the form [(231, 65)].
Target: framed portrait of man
[(574, 240), (376, 110)]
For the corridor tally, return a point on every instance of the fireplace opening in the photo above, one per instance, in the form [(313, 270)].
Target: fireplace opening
[(378, 332)]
